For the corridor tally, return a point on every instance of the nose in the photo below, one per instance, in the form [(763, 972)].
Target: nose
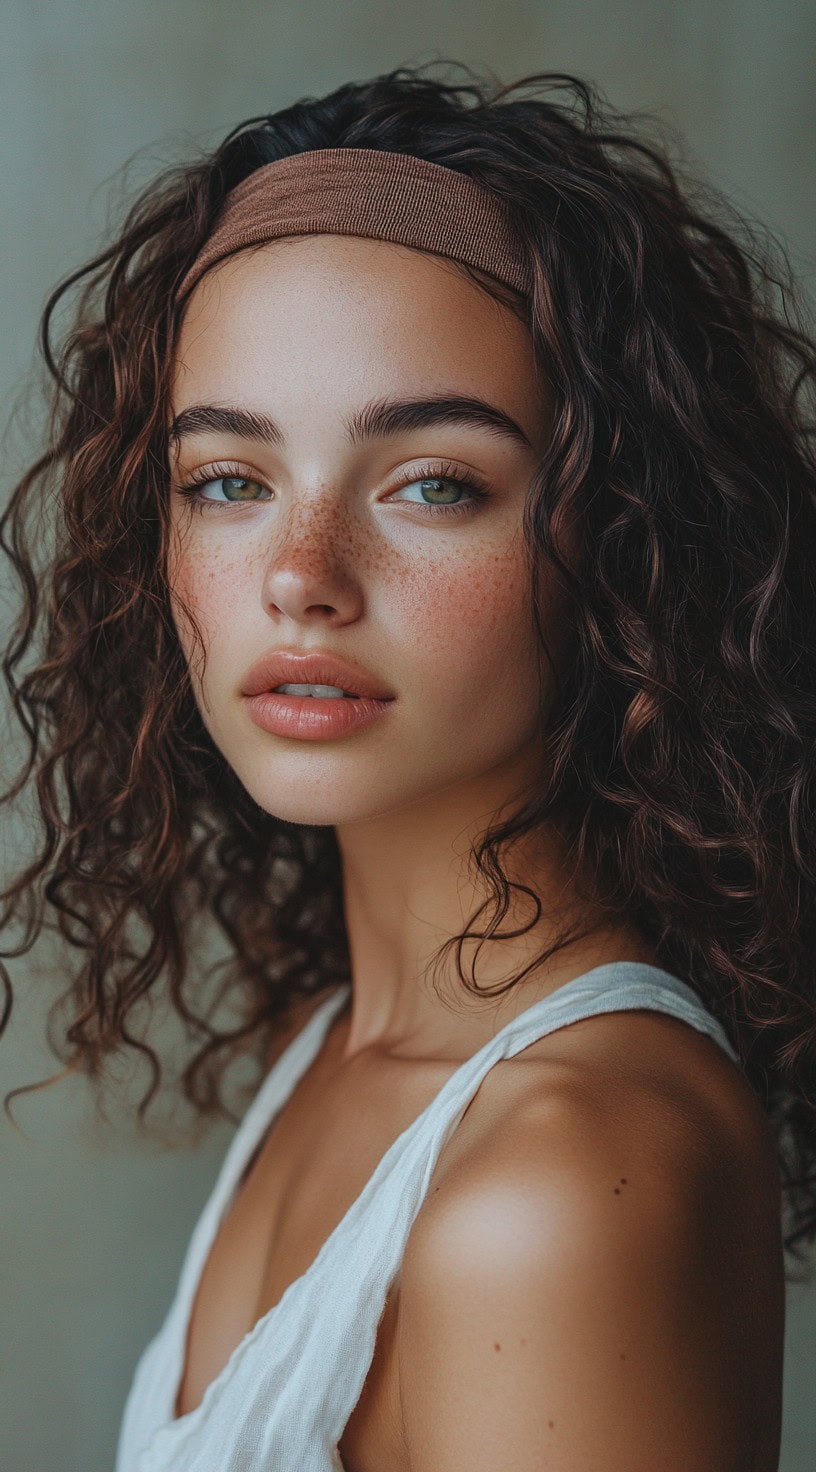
[(312, 568)]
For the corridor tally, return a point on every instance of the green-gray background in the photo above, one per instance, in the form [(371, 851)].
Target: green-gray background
[(94, 1221)]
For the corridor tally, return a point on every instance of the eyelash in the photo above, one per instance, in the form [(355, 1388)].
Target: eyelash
[(191, 489)]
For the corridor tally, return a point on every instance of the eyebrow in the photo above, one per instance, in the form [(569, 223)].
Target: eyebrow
[(376, 420)]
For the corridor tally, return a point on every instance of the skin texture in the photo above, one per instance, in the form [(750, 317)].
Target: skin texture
[(638, 1326)]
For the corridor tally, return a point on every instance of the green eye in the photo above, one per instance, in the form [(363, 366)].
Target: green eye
[(430, 477), (430, 486), (235, 485), (231, 481)]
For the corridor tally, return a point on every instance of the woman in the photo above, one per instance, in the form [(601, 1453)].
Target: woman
[(435, 545)]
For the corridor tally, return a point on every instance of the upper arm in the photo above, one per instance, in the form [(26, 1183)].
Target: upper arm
[(566, 1306)]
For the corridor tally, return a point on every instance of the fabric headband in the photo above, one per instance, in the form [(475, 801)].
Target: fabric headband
[(374, 193)]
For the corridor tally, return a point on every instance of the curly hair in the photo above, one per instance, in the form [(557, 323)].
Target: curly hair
[(681, 742)]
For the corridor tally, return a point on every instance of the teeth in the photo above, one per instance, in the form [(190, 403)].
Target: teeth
[(330, 691)]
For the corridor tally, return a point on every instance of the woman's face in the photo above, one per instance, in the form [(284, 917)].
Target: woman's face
[(323, 540)]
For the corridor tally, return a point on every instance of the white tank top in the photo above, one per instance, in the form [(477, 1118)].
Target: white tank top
[(284, 1396)]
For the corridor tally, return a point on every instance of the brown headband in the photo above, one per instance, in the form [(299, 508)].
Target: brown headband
[(374, 193)]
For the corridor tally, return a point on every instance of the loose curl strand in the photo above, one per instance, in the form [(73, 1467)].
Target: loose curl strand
[(680, 746)]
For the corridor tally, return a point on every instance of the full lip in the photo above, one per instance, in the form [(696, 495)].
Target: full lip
[(290, 667)]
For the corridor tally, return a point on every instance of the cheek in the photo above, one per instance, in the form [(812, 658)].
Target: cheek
[(470, 621), (208, 584)]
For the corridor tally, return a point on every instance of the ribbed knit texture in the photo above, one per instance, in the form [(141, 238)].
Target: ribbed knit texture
[(282, 1400), (374, 193)]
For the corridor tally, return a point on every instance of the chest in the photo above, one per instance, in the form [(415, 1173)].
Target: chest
[(312, 1163)]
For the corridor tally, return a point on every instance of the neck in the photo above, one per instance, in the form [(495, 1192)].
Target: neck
[(408, 888)]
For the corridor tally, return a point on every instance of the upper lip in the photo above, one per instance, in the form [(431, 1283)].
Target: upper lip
[(288, 667)]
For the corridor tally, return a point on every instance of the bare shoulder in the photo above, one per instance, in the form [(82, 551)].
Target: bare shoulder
[(598, 1275)]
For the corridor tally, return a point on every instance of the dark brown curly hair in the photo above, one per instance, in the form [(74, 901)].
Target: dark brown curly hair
[(681, 743)]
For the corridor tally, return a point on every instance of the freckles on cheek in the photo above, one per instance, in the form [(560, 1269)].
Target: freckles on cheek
[(210, 586), (462, 615)]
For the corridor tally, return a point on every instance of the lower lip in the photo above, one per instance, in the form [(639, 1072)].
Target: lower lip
[(313, 717)]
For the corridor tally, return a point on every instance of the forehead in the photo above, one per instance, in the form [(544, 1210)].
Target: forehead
[(339, 316)]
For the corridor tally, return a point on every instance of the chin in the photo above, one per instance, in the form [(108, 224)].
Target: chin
[(321, 802)]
